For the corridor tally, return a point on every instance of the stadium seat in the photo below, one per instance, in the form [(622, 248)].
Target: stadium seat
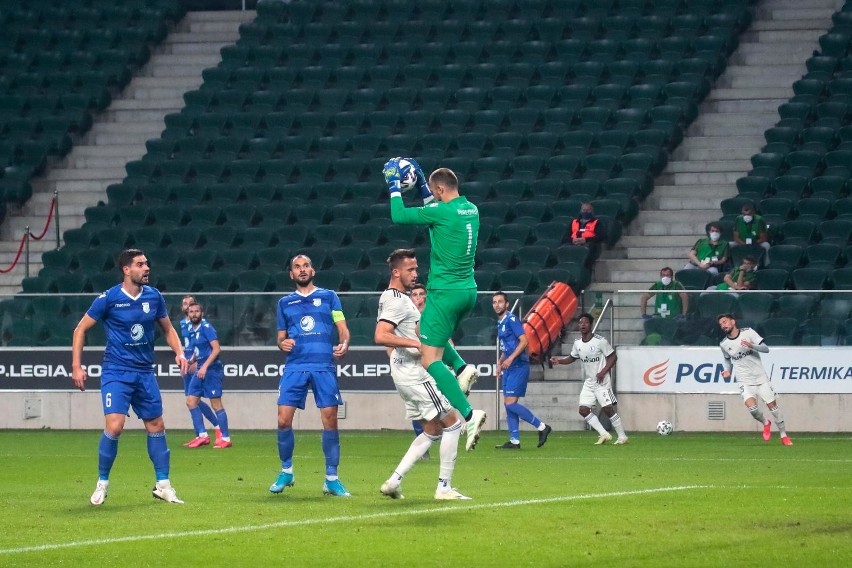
[(711, 305), (824, 255), (476, 331), (810, 278), (786, 257), (755, 307), (693, 279), (665, 327), (330, 279), (366, 280), (835, 231), (772, 278), (798, 306)]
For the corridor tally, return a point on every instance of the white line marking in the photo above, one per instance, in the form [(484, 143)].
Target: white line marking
[(342, 519)]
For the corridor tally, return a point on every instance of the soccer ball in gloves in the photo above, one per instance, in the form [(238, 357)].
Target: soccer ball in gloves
[(407, 175)]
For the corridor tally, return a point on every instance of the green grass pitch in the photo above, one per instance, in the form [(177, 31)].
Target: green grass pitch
[(683, 500)]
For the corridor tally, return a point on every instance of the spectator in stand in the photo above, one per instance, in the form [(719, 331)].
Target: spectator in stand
[(742, 277), (587, 230), (709, 253), (670, 300), (751, 229)]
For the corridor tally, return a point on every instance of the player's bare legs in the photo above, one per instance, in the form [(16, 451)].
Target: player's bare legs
[(593, 421), (751, 405), (431, 361)]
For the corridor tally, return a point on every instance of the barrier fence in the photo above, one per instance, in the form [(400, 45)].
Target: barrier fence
[(24, 246)]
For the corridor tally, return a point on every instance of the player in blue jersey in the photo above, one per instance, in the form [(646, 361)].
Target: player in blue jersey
[(513, 367), (129, 312), (206, 411), (207, 380), (307, 320)]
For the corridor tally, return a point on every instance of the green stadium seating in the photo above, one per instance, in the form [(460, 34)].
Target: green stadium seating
[(809, 278), (693, 279), (798, 306), (330, 100)]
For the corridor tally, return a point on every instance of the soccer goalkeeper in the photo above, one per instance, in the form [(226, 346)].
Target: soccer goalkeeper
[(453, 229)]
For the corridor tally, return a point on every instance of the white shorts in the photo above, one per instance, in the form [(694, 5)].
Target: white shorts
[(600, 394), (764, 391), (407, 372), (423, 401)]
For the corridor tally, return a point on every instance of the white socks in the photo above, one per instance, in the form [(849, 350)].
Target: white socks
[(779, 420), (592, 420), (415, 451), (449, 450), (615, 419), (757, 414)]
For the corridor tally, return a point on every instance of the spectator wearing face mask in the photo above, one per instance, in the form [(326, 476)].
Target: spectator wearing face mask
[(587, 230), (742, 277), (751, 229), (709, 253), (670, 300)]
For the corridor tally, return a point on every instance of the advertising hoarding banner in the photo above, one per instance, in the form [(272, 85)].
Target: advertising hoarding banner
[(806, 370), (245, 369)]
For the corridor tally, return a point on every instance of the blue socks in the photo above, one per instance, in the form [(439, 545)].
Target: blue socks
[(513, 423), (286, 443), (208, 413), (197, 420), (516, 411), (331, 449), (417, 426), (107, 450), (158, 451), (222, 418)]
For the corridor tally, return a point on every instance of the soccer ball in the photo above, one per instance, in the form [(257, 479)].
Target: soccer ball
[(664, 428), (407, 175)]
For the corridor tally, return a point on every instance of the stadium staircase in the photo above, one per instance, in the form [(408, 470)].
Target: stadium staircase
[(714, 154), (118, 134)]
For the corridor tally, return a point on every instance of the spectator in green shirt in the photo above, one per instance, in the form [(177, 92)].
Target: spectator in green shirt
[(670, 300), (709, 253), (750, 229), (743, 277)]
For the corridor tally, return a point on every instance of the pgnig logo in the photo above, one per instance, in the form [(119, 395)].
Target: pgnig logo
[(685, 373), (307, 323), (655, 375), (137, 331)]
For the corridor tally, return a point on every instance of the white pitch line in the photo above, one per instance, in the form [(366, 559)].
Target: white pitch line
[(669, 459), (342, 519)]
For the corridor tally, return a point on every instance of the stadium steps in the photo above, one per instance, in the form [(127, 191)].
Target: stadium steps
[(119, 133), (714, 154), (553, 401)]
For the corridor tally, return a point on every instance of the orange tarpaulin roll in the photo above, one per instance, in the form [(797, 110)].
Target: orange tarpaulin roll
[(544, 322)]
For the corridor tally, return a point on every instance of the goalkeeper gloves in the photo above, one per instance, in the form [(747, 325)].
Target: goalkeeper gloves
[(392, 178), (422, 183)]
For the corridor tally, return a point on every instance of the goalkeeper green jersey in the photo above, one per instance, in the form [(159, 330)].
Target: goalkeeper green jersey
[(453, 230)]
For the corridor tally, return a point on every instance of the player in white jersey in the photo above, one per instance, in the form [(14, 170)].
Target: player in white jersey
[(598, 358), (740, 349), (397, 329)]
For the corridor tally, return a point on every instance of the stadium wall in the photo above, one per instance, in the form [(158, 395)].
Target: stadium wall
[(687, 390)]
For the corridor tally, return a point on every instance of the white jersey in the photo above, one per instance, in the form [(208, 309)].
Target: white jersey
[(397, 309), (592, 354), (748, 369)]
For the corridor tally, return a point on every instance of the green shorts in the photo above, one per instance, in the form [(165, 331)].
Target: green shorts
[(444, 310)]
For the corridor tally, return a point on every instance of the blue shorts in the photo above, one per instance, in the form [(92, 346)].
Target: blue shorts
[(209, 387), (515, 380), (293, 388), (187, 378), (121, 390)]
